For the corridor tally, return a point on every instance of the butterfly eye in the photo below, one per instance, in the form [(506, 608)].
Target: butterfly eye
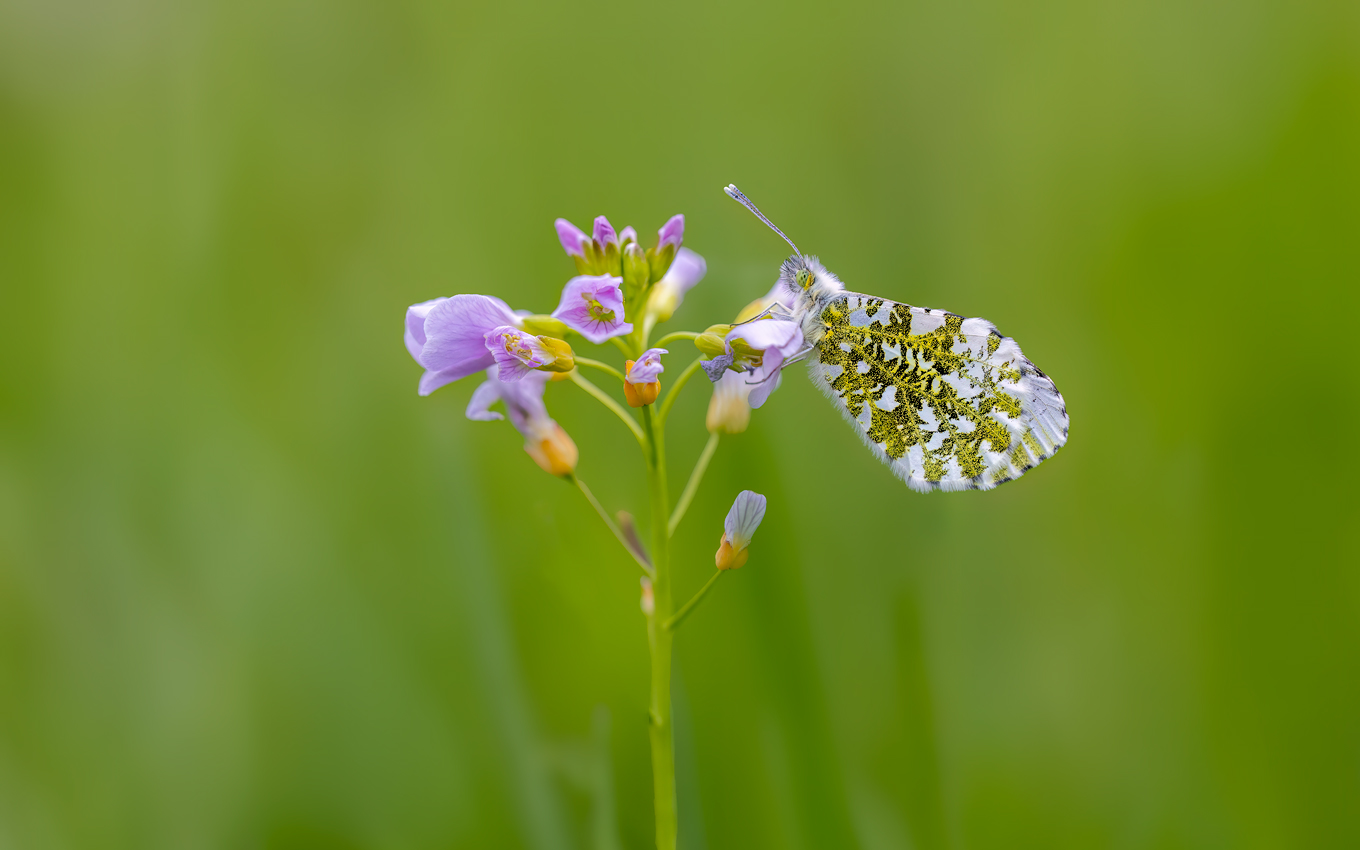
[(804, 278)]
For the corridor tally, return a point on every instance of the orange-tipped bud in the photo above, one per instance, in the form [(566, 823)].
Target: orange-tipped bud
[(728, 558), (638, 395), (556, 454)]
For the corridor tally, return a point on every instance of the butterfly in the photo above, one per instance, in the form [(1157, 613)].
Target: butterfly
[(946, 401)]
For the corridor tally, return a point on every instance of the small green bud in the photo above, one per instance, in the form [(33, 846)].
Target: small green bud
[(545, 326), (636, 271), (660, 259), (609, 259), (710, 344)]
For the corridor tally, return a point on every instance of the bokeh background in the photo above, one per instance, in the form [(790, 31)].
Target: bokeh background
[(255, 593)]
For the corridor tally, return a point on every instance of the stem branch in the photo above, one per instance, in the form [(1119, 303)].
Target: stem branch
[(673, 336), (692, 486), (679, 384), (608, 402), (613, 527), (595, 364), (674, 622)]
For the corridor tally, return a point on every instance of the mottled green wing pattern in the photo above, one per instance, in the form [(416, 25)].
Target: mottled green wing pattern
[(947, 402)]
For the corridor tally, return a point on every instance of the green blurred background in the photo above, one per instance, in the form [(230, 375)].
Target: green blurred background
[(255, 593)]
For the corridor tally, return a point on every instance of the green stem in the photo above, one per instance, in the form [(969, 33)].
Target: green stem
[(603, 398), (613, 527), (659, 639), (595, 364), (675, 335), (674, 622), (675, 389), (624, 347), (693, 484)]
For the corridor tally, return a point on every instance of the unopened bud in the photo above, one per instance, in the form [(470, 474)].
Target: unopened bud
[(710, 342), (728, 558), (636, 271), (639, 395), (729, 412), (660, 259), (648, 601), (556, 454), (755, 308), (544, 326), (610, 259)]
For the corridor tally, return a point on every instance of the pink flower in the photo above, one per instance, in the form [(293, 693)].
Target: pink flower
[(447, 336), (592, 305), (647, 367), (544, 440), (766, 344), (517, 353)]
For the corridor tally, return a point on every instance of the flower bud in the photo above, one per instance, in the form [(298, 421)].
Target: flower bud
[(648, 601), (555, 454), (711, 343), (748, 509), (636, 271), (563, 360), (755, 308), (637, 388), (545, 326), (729, 412), (669, 237)]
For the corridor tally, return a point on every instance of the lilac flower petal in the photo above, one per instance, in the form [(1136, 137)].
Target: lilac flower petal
[(604, 232), (764, 334), (687, 269), (764, 383), (716, 367), (517, 353), (628, 234), (672, 232), (479, 406), (748, 509), (431, 381), (415, 325), (648, 367), (592, 305), (573, 238), (454, 331)]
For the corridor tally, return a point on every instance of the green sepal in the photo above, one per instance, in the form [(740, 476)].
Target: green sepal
[(545, 326)]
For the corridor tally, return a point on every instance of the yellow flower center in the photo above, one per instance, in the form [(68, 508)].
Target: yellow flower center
[(597, 310)]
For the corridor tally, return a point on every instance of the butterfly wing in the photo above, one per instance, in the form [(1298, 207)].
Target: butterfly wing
[(948, 402)]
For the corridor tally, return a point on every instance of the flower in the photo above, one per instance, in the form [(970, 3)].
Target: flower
[(446, 336), (592, 305), (729, 411), (759, 347), (748, 509), (641, 384), (686, 270), (519, 353), (544, 439)]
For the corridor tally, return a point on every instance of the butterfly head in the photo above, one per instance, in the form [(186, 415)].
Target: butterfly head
[(804, 277)]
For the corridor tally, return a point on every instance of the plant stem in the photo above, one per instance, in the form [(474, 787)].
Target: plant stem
[(603, 367), (603, 398), (613, 527), (679, 384), (659, 639), (674, 622), (624, 347), (693, 484), (675, 335)]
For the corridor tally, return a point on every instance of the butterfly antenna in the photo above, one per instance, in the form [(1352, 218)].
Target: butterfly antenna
[(735, 194)]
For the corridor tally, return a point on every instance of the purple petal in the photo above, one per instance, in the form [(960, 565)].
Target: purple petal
[(592, 305), (415, 325), (672, 232), (765, 334), (686, 270), (517, 353), (604, 232), (454, 331), (573, 238), (748, 510), (479, 406), (431, 381), (648, 367), (628, 234), (524, 403), (764, 381)]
